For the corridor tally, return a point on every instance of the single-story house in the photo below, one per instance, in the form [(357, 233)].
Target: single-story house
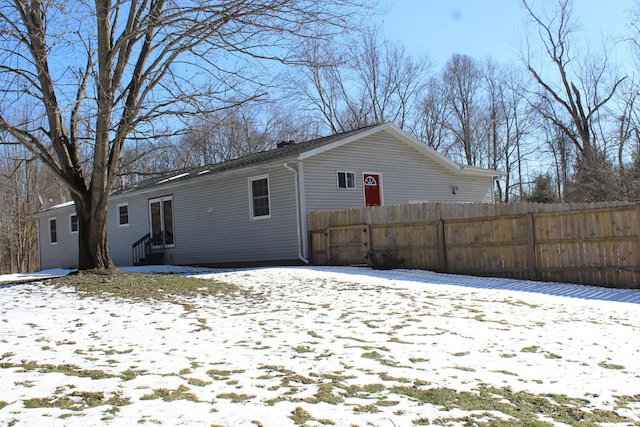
[(255, 209)]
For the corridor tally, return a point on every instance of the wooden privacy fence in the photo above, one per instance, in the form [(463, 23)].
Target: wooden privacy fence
[(594, 244)]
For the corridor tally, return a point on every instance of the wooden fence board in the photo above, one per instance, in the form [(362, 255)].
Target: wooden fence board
[(597, 244)]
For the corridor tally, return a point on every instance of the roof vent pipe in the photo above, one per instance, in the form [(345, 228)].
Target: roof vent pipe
[(285, 143)]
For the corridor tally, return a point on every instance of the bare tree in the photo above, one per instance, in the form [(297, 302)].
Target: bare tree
[(25, 185), (390, 80), (580, 97), (101, 72), (374, 81), (517, 124), (239, 131), (431, 126), (463, 82)]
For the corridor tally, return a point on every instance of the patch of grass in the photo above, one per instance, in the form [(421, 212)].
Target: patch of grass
[(222, 375), (464, 368), (70, 370), (302, 349), (613, 366), (168, 395), (377, 356), (314, 334), (523, 408), (296, 378), (235, 397), (3, 404), (130, 374), (384, 376), (76, 401), (359, 409), (530, 349), (142, 286), (197, 382), (300, 417), (26, 383), (325, 394), (387, 403), (502, 371)]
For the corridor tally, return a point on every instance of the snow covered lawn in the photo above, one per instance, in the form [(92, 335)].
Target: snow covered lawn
[(323, 346)]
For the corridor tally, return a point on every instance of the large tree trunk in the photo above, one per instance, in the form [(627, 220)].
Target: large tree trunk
[(93, 248)]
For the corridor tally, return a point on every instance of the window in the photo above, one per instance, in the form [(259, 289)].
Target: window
[(123, 214), (259, 193), (53, 232), (161, 221), (346, 180), (73, 223)]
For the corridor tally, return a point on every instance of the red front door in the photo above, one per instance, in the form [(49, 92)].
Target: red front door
[(372, 194)]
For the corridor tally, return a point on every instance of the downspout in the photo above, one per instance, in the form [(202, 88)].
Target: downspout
[(39, 250), (298, 225), (303, 210), (493, 189)]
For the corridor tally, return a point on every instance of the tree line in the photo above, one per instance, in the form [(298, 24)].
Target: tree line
[(175, 91), (563, 129)]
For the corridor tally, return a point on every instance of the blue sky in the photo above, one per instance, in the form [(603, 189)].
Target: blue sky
[(480, 28)]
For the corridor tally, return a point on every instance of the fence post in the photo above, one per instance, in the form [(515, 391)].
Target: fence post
[(327, 237), (533, 268), (442, 249)]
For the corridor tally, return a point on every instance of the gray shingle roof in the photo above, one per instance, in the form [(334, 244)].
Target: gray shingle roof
[(286, 151)]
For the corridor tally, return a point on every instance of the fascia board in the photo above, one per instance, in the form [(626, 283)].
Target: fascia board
[(62, 207)]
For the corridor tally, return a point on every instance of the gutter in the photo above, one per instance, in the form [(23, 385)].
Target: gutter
[(301, 256)]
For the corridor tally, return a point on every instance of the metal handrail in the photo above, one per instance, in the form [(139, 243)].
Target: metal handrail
[(144, 252)]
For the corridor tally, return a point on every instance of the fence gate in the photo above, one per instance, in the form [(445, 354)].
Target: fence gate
[(347, 243)]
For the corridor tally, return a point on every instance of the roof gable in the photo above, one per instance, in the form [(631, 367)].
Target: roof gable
[(408, 140)]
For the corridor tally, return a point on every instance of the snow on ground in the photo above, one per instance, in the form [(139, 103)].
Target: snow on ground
[(349, 346), (29, 277)]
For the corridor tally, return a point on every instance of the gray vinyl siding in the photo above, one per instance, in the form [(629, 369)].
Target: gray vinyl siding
[(64, 253), (122, 237), (212, 222), (407, 175)]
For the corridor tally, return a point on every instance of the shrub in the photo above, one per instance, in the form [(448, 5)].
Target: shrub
[(384, 259)]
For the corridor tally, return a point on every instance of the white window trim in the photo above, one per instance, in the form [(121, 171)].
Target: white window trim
[(118, 215), (162, 199), (249, 186), (346, 181), (77, 224), (49, 230)]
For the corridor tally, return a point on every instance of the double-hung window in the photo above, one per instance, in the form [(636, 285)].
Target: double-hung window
[(53, 231), (73, 223), (346, 179), (123, 214), (259, 197)]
